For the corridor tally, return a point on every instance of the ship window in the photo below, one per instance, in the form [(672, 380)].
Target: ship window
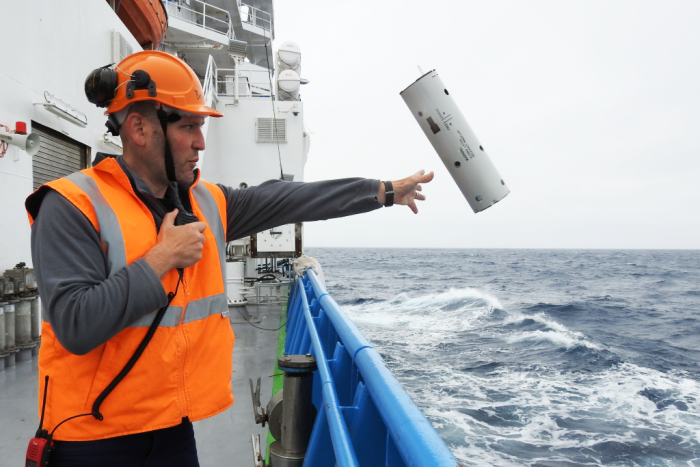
[(58, 156)]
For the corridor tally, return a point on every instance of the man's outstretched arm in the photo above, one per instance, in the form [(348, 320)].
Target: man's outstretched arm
[(278, 202)]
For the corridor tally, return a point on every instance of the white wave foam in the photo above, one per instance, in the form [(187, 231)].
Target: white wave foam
[(454, 310), (567, 339), (542, 318), (434, 318), (559, 410), (557, 333)]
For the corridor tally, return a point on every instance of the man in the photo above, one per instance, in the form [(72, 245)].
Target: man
[(138, 233)]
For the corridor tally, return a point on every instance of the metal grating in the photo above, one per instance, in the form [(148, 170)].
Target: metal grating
[(237, 48), (120, 47), (58, 156), (271, 130)]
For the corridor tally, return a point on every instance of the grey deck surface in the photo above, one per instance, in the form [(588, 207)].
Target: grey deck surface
[(223, 440)]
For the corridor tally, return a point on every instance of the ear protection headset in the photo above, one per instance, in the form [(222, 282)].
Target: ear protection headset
[(101, 87)]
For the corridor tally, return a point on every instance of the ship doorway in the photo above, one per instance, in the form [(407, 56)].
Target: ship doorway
[(58, 156)]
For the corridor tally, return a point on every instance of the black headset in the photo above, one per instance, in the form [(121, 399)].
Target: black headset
[(101, 88)]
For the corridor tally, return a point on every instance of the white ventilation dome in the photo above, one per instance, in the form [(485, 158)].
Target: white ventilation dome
[(288, 83), (289, 56)]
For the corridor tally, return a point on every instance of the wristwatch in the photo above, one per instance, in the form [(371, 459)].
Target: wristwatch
[(389, 193)]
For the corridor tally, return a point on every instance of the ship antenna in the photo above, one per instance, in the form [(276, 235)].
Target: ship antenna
[(421, 70)]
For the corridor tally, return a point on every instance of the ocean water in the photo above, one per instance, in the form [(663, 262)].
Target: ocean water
[(537, 357)]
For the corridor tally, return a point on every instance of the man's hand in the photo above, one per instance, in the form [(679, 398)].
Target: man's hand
[(406, 191), (177, 247)]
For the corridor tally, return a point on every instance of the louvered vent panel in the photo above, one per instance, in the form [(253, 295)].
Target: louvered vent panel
[(58, 156), (236, 47), (271, 130), (120, 47)]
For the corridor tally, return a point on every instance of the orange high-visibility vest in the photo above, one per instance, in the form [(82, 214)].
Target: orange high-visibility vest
[(186, 369)]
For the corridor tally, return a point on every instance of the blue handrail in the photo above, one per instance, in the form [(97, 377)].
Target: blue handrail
[(344, 452), (368, 419)]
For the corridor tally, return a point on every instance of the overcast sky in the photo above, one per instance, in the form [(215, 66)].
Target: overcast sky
[(589, 110)]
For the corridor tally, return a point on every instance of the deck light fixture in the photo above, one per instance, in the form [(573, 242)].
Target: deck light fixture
[(63, 110)]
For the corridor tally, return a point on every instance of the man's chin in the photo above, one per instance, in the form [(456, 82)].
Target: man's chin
[(186, 178)]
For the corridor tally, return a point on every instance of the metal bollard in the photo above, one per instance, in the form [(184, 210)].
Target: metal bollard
[(10, 325), (3, 337), (297, 411), (8, 285), (23, 322), (23, 330), (10, 333), (3, 353), (36, 318)]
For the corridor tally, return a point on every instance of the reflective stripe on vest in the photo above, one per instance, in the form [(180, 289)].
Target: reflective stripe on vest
[(110, 231), (209, 208), (113, 240), (171, 318), (196, 309), (205, 307)]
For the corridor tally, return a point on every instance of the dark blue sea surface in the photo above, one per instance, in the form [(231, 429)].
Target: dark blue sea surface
[(537, 357)]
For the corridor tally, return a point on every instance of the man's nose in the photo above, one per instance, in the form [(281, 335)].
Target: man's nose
[(199, 143)]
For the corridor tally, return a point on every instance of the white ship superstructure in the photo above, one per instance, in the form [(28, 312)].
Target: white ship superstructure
[(229, 45)]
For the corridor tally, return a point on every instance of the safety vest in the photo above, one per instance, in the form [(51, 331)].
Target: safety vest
[(186, 369)]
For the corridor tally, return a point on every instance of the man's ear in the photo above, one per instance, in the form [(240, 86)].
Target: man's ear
[(135, 128)]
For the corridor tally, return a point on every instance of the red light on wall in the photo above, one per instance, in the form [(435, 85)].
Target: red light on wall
[(21, 128)]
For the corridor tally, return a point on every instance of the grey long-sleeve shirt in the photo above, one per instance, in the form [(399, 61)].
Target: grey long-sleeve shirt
[(86, 308)]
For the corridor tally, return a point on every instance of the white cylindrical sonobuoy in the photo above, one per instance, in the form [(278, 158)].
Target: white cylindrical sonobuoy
[(448, 131)]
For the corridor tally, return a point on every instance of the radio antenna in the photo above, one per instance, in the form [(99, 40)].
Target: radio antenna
[(43, 406)]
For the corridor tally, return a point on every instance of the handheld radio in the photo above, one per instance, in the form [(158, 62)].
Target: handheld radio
[(40, 446)]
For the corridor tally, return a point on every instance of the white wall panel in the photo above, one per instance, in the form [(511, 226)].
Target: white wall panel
[(48, 46)]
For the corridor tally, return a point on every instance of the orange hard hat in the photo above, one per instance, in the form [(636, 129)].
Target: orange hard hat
[(172, 83)]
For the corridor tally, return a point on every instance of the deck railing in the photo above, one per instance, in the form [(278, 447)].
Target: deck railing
[(365, 417), (202, 14), (210, 79), (256, 17), (251, 83)]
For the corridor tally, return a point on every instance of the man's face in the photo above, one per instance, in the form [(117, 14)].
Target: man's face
[(186, 140)]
